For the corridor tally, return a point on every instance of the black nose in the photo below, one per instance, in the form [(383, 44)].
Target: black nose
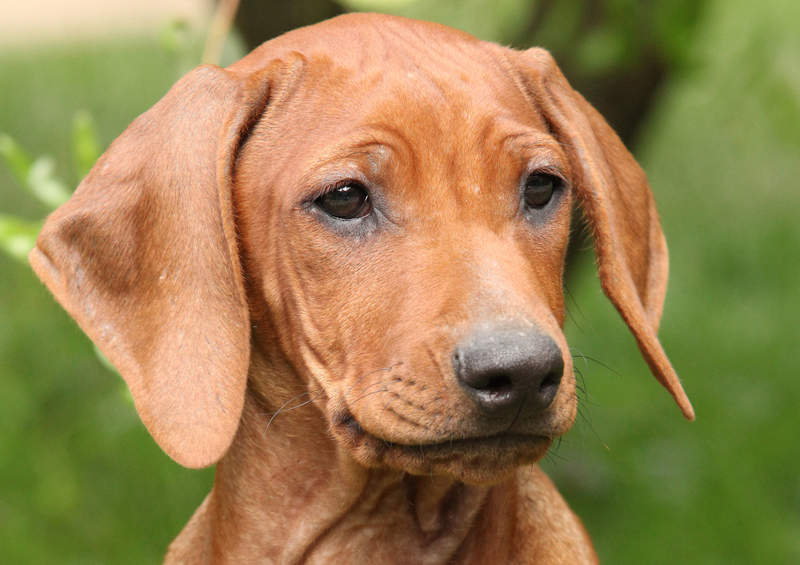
[(502, 368)]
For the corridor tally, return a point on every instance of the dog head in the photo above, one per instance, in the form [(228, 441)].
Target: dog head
[(387, 204)]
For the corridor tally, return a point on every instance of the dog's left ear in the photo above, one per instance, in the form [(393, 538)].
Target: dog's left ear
[(144, 256), (619, 206)]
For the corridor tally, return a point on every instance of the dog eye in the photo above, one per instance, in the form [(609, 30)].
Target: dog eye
[(347, 202), (539, 189)]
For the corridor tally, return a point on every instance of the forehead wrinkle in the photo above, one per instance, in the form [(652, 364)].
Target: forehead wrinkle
[(508, 136), (408, 46), (390, 137), (372, 144), (538, 153), (344, 162), (507, 129)]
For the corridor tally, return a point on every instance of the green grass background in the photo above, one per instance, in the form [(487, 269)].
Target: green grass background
[(82, 482)]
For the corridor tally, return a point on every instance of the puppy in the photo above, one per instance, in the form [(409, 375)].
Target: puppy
[(335, 269)]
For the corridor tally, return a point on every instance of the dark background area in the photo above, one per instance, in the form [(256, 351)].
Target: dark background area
[(707, 96)]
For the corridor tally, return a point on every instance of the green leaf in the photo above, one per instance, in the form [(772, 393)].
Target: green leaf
[(35, 175), (44, 185), (174, 37), (16, 159), (18, 236), (85, 148)]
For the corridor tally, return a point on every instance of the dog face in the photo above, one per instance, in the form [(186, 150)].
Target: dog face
[(425, 216), (390, 216)]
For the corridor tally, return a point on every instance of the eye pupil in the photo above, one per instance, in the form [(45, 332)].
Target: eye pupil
[(346, 202), (539, 190)]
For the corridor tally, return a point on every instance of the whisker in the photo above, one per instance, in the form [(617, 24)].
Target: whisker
[(358, 380), (554, 457), (315, 395), (369, 394), (573, 302), (519, 408), (283, 406), (580, 386), (580, 355), (305, 403), (576, 354), (584, 415)]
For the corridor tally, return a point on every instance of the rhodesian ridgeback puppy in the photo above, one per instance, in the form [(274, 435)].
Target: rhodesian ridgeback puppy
[(334, 269)]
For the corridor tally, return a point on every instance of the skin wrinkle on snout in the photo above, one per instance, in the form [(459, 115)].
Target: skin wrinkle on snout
[(312, 355)]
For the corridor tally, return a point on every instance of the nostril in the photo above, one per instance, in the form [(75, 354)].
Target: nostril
[(495, 390), (548, 387), (499, 383), (552, 380)]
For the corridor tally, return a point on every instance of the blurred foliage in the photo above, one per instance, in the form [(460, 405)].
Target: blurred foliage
[(495, 20), (82, 482), (37, 176), (600, 34), (85, 146), (17, 236)]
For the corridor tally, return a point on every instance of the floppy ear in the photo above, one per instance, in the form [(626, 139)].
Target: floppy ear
[(615, 196), (144, 257)]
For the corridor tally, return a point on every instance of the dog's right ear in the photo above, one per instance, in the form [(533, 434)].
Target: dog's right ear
[(619, 206), (144, 256)]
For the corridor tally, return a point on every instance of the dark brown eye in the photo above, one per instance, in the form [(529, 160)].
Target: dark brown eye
[(346, 202), (539, 189)]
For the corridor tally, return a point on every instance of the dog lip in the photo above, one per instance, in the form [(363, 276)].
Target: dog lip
[(495, 441), (501, 440), (352, 426)]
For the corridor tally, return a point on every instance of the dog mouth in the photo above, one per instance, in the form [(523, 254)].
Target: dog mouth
[(473, 459)]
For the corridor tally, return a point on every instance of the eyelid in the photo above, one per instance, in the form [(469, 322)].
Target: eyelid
[(550, 170), (332, 183), (341, 184)]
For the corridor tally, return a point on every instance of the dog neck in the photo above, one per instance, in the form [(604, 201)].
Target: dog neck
[(286, 492)]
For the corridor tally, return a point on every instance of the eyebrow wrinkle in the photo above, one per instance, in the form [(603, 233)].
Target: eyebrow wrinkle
[(402, 146), (369, 142)]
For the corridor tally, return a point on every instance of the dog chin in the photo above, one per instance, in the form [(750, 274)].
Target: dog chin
[(475, 460)]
